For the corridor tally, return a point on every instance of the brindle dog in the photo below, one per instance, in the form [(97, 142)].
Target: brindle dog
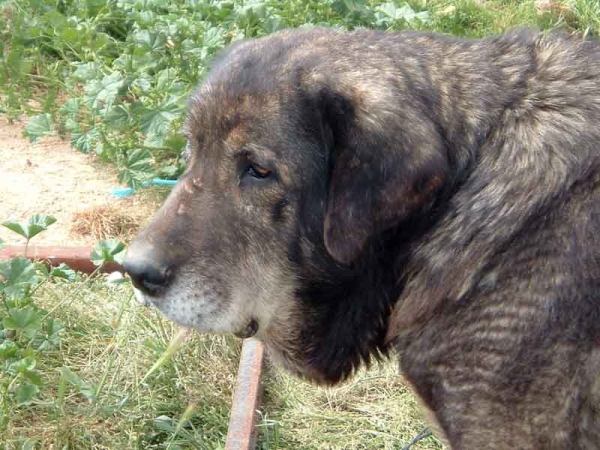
[(347, 193)]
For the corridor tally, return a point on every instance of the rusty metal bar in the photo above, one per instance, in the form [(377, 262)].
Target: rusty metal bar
[(241, 434), (77, 258)]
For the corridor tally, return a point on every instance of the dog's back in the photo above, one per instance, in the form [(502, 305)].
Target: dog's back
[(511, 356)]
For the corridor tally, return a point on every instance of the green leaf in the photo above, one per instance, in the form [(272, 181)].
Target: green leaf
[(26, 320), (54, 328), (63, 271), (85, 141), (118, 117), (94, 6), (155, 121), (165, 423), (34, 225), (70, 376), (137, 168), (142, 84), (139, 159), (71, 36), (143, 61), (1, 244), (146, 17), (388, 13), (19, 276), (108, 251), (88, 390), (72, 125), (85, 71), (170, 171), (23, 365), (16, 61), (214, 37), (70, 108), (85, 388), (152, 42), (33, 377), (54, 19), (345, 7), (99, 41), (165, 79), (38, 126), (8, 349), (101, 94), (25, 393)]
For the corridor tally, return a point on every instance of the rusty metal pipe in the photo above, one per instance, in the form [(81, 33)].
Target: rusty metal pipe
[(241, 434), (77, 258)]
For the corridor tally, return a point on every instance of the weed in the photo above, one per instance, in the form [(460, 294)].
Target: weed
[(27, 331)]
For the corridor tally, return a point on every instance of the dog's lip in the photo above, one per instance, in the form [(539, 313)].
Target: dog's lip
[(142, 298)]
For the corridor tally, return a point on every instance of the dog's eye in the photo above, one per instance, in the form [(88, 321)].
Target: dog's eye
[(253, 173), (256, 171)]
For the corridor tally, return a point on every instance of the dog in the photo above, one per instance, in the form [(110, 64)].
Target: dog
[(349, 193)]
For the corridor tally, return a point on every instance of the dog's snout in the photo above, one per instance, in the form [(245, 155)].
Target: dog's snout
[(147, 275)]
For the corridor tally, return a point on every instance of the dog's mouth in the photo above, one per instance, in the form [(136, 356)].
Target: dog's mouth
[(249, 331), (141, 298)]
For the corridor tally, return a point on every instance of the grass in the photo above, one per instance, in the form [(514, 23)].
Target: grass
[(111, 402), (374, 410), (98, 391), (110, 345), (114, 401)]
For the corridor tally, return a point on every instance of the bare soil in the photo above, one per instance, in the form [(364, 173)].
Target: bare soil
[(49, 177)]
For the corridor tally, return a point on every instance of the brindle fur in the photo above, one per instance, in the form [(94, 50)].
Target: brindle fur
[(441, 196)]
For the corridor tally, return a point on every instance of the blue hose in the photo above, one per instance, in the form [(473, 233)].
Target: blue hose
[(122, 192)]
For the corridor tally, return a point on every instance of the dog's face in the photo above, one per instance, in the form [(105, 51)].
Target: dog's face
[(224, 233), (294, 165), (223, 239)]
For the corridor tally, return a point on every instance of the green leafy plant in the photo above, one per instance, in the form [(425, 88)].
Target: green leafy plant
[(108, 251), (31, 228), (26, 330), (125, 69)]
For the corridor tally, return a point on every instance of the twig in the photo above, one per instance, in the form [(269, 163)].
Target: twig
[(425, 433)]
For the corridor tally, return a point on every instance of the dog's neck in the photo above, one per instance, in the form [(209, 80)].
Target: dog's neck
[(343, 316)]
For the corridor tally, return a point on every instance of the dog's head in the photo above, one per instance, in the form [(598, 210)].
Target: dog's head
[(302, 150)]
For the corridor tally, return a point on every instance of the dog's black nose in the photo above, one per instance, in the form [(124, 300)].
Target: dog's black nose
[(146, 275)]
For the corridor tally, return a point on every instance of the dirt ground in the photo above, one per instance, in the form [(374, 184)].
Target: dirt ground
[(49, 177)]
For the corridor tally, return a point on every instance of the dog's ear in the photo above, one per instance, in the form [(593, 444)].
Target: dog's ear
[(387, 162)]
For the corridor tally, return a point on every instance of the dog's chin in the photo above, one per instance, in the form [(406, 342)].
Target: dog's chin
[(249, 329)]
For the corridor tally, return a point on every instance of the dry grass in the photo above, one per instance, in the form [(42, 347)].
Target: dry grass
[(103, 222), (121, 219), (374, 410)]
